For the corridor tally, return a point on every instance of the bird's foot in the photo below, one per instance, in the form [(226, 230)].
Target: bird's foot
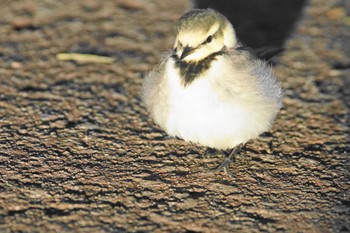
[(224, 166)]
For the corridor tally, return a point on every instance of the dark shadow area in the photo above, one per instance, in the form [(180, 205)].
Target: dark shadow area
[(259, 23)]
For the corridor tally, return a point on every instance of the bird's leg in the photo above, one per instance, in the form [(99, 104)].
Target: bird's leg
[(210, 151), (228, 160)]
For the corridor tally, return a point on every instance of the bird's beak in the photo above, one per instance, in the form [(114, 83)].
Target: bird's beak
[(187, 51)]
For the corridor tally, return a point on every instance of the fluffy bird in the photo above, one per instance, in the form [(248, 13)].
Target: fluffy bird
[(211, 89)]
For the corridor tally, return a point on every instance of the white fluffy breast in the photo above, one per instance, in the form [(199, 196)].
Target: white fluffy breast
[(202, 113)]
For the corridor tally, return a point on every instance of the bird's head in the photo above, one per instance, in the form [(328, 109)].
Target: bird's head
[(202, 32)]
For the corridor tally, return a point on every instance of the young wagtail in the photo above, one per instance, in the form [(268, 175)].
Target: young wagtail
[(211, 89)]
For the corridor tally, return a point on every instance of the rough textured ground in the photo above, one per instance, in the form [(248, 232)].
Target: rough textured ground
[(78, 152)]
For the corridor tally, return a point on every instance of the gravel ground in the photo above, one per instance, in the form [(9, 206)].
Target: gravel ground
[(78, 152)]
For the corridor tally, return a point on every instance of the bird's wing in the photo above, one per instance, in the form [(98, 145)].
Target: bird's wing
[(152, 83), (265, 53), (269, 52), (254, 75)]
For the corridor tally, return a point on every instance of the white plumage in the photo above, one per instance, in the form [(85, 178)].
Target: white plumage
[(210, 90)]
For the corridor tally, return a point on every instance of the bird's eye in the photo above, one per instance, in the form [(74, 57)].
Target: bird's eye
[(209, 39)]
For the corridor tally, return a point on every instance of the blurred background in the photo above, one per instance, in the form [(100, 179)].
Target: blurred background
[(259, 23)]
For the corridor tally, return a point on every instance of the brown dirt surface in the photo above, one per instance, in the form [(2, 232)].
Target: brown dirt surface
[(79, 153)]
